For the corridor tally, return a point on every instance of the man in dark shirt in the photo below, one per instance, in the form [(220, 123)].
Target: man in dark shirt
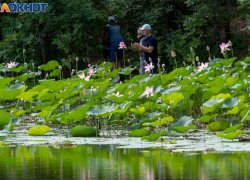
[(114, 32), (150, 47)]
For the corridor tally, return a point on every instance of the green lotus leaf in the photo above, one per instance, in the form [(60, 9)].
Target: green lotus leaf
[(46, 111), (231, 135), (187, 105), (43, 94), (232, 129), (226, 62), (54, 73), (216, 89), (106, 65), (115, 79), (187, 94), (92, 93), (207, 95), (16, 86), (51, 65), (100, 110), (157, 89), (243, 63), (154, 137), (245, 115), (221, 95), (231, 81), (218, 126), (237, 87), (4, 81), (118, 99), (84, 131), (18, 113), (171, 90), (5, 119), (38, 130), (173, 97), (127, 70), (139, 133), (150, 105), (213, 102), (242, 100), (19, 69), (114, 73), (22, 77), (27, 96), (150, 117), (217, 81), (183, 121), (207, 118), (9, 94), (231, 103), (235, 110), (182, 129), (138, 111), (12, 124), (123, 108), (203, 77)]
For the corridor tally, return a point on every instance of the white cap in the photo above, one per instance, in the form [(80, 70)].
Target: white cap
[(111, 18), (145, 26)]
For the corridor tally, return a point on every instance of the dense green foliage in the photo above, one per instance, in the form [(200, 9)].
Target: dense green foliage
[(73, 28)]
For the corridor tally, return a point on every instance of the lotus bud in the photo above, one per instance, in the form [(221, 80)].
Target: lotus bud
[(244, 68), (244, 81), (150, 75), (226, 71), (65, 89), (199, 63), (103, 72), (158, 64), (24, 50), (132, 85), (92, 87), (230, 43), (150, 60), (11, 112), (22, 100), (195, 70), (184, 62), (201, 108), (197, 58), (120, 82), (128, 61), (171, 102), (85, 92), (104, 63), (233, 92), (145, 62), (89, 65), (39, 67), (191, 49), (102, 90), (98, 87), (159, 119), (33, 64), (248, 76), (208, 48), (162, 89), (69, 84), (130, 93), (22, 82), (110, 79), (140, 71), (77, 59), (159, 60), (217, 69), (109, 70), (163, 65), (209, 59), (180, 77), (193, 63), (73, 70), (189, 78), (59, 67), (25, 64), (47, 75), (32, 107)]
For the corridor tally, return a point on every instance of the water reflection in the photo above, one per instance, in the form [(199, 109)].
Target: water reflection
[(108, 162)]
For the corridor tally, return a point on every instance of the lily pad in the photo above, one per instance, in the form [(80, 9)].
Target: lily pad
[(231, 135), (231, 103), (232, 129), (218, 126), (100, 110), (139, 133), (38, 130), (207, 118), (182, 129), (154, 137), (84, 131)]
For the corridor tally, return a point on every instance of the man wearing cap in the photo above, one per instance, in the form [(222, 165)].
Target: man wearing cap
[(115, 36), (150, 46)]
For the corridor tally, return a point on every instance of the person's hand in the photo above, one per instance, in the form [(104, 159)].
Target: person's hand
[(142, 55), (132, 45), (136, 45)]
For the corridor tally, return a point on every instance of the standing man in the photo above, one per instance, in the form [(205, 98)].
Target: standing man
[(150, 47), (114, 32)]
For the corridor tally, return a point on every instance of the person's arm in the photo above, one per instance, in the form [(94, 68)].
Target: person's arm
[(140, 48), (136, 47)]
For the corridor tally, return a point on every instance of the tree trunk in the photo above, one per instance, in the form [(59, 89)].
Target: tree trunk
[(42, 37), (216, 32)]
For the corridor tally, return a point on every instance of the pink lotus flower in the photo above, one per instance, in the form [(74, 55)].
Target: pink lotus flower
[(91, 72), (82, 76), (173, 54), (85, 92), (122, 45), (11, 64), (117, 94), (224, 47), (149, 91), (202, 67), (149, 67)]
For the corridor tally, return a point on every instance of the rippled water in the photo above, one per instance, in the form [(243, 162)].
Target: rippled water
[(108, 162)]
